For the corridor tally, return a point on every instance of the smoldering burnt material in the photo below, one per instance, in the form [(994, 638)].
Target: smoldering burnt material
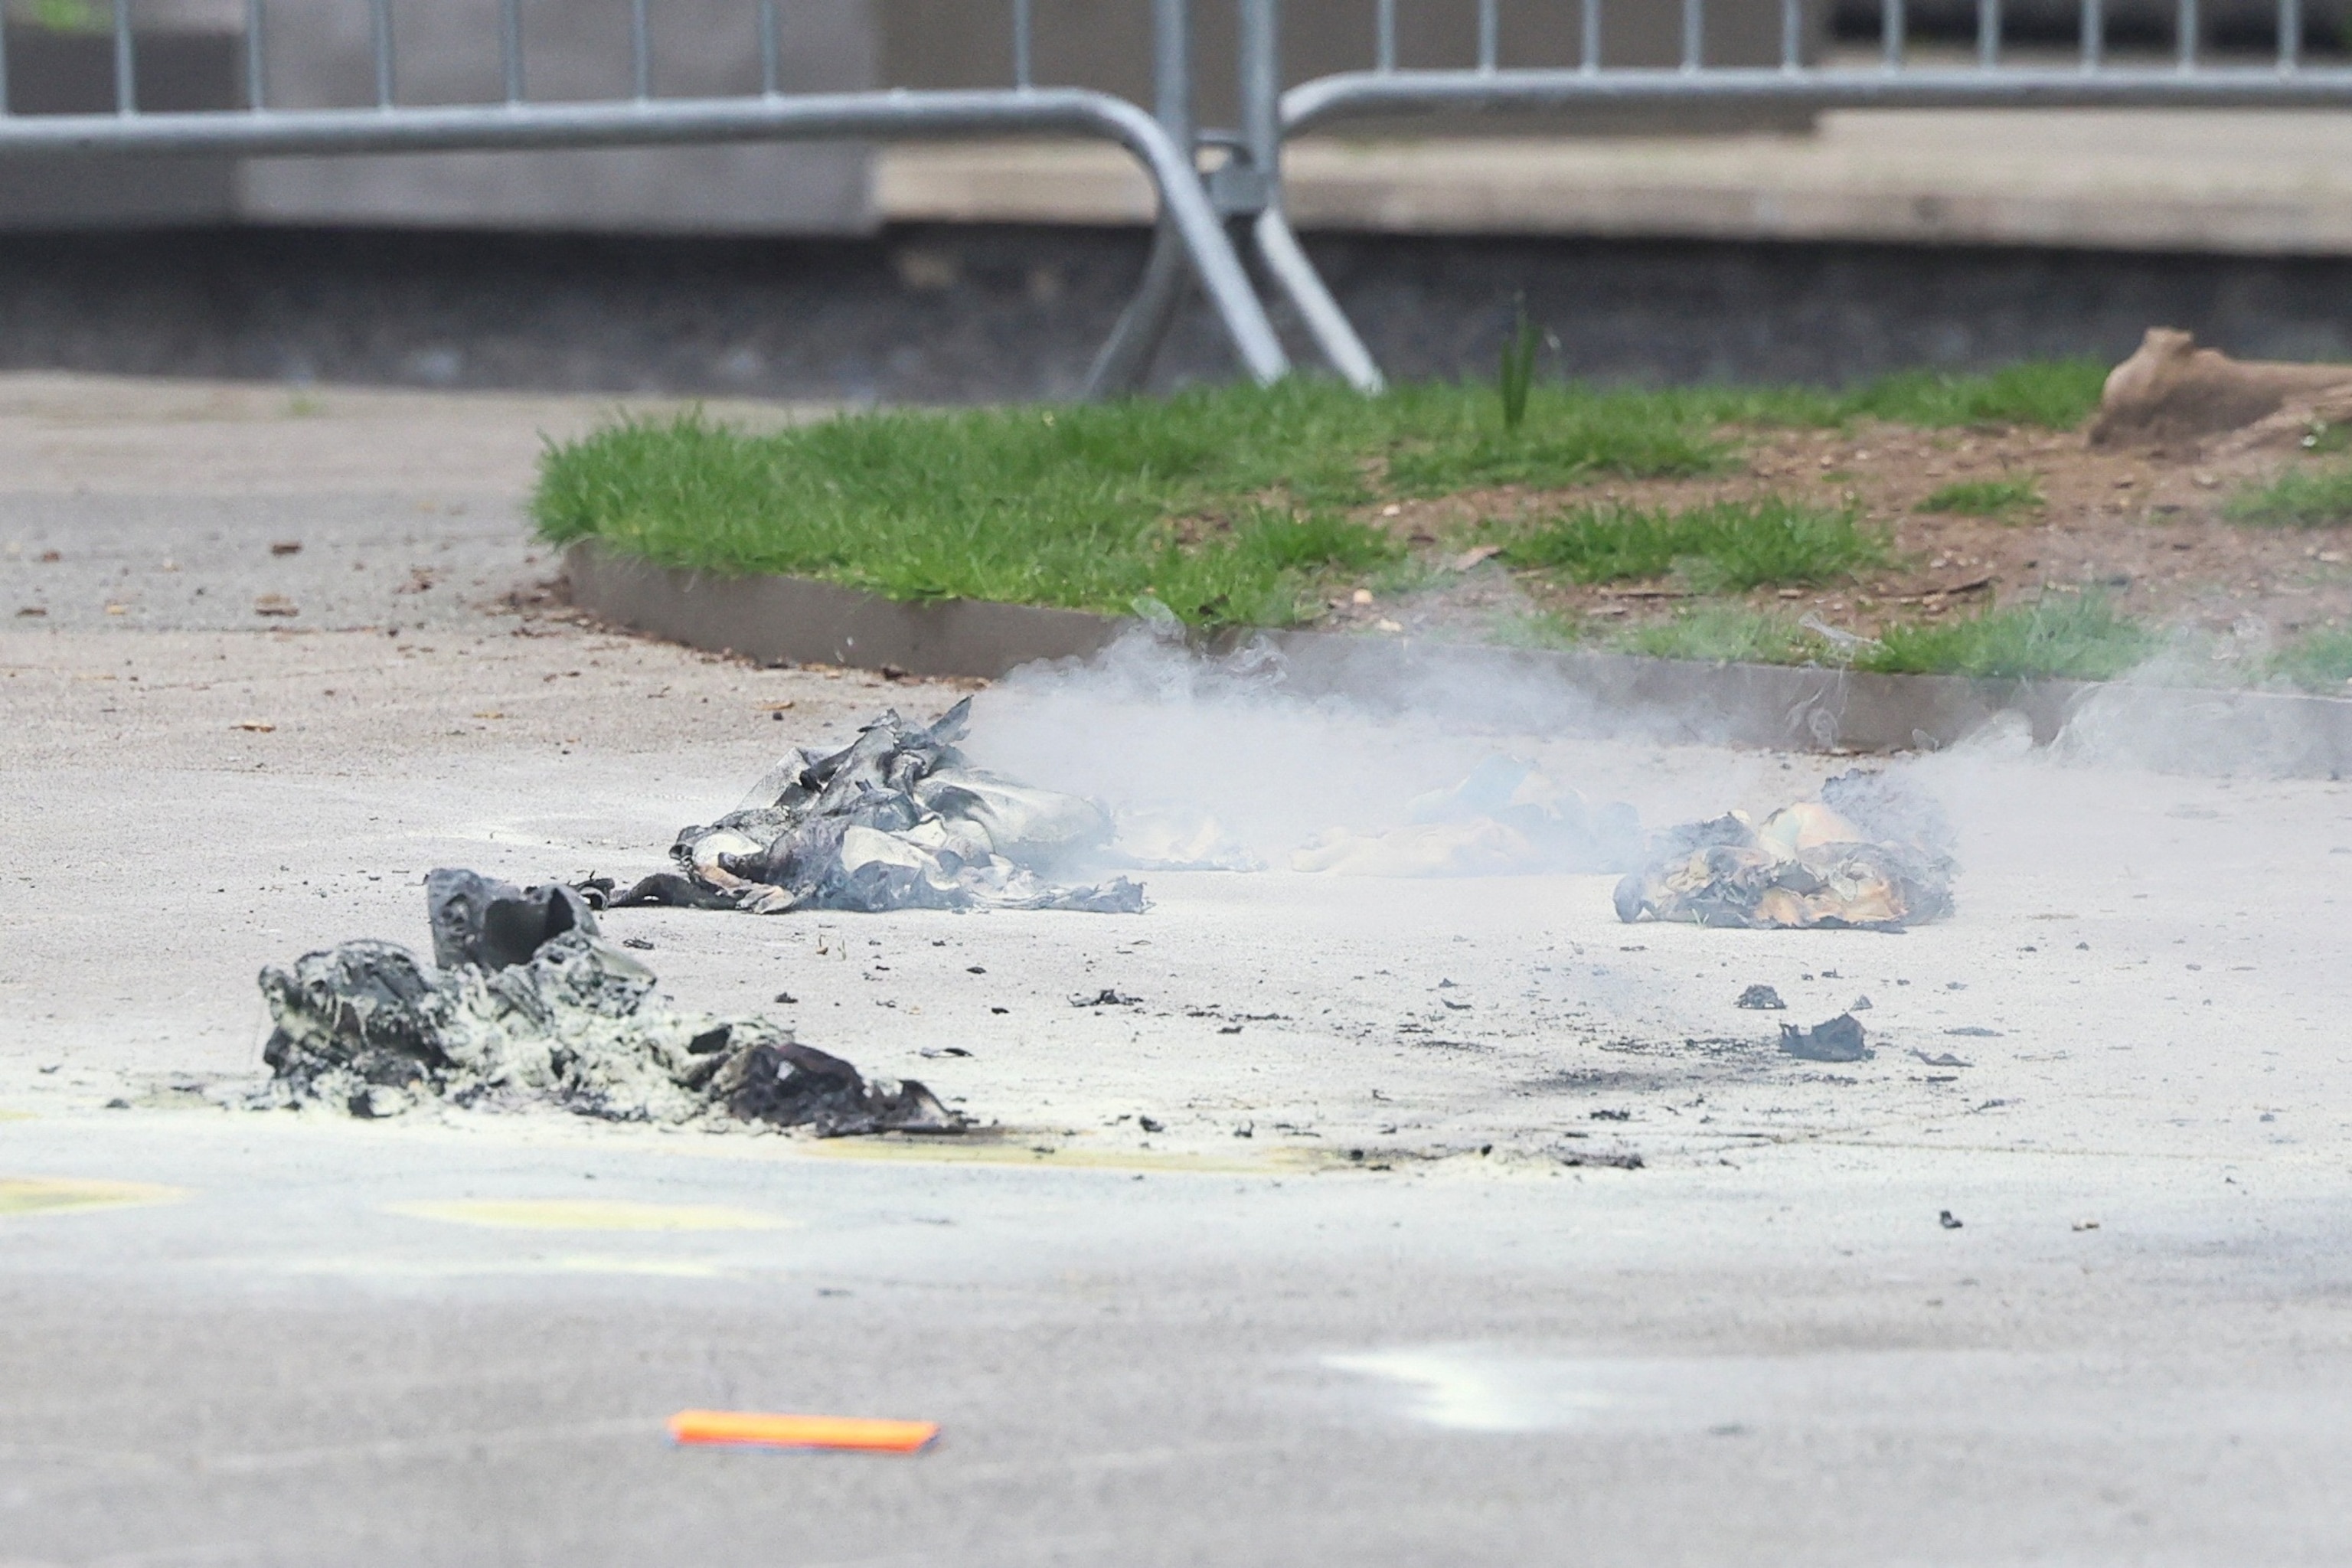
[(1839, 1040), (1868, 855), (570, 1022), (898, 820), (1505, 817), (491, 924)]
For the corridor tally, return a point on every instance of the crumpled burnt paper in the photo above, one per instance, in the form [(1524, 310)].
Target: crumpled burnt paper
[(526, 1006), (1505, 818), (898, 820), (1867, 854)]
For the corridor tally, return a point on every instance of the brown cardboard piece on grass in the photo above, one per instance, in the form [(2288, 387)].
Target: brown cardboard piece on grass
[(2171, 390)]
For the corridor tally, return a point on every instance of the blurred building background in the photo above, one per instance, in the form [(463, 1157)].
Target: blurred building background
[(2256, 181), (1684, 245)]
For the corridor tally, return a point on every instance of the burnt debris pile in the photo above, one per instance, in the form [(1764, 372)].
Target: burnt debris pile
[(1868, 854), (898, 820), (525, 1005)]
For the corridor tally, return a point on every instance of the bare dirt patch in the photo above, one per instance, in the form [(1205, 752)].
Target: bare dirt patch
[(2145, 527)]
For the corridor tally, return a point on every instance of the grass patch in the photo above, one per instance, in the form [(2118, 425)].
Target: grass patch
[(66, 15), (1720, 633), (2057, 394), (2318, 661), (2054, 395), (1538, 629), (1223, 503), (1024, 507), (1226, 505), (2300, 498), (1725, 547), (1987, 498), (2080, 636), (1516, 376)]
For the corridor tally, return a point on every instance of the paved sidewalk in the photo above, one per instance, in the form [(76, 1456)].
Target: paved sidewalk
[(222, 506)]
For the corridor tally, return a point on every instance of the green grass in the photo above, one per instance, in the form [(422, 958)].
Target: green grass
[(66, 15), (2300, 498), (1728, 546), (1987, 498), (2060, 635), (2057, 394), (1538, 629), (2063, 635), (2320, 660), (1222, 503), (1516, 376), (1226, 505), (1720, 633)]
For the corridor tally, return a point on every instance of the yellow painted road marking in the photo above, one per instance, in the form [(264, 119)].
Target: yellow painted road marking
[(587, 1213), (34, 1195)]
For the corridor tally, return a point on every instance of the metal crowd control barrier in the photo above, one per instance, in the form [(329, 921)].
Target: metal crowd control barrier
[(2188, 79), (645, 119), (1248, 186), (1196, 210)]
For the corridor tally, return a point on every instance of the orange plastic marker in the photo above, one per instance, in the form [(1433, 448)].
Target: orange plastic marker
[(747, 1427)]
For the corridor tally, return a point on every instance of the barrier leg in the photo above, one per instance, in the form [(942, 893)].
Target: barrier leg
[(1126, 359), (1259, 38), (1126, 355), (1328, 324)]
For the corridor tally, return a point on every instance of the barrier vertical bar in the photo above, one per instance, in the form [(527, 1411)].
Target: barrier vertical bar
[(511, 48), (1024, 75), (1172, 70), (1792, 34), (1490, 29), (380, 26), (2094, 34), (1592, 40), (256, 58), (1286, 260), (1694, 33), (1384, 55), (1891, 21), (1987, 34), (641, 51), (770, 75), (4, 70), (1125, 359), (2290, 35), (1257, 55), (2187, 26), (126, 64)]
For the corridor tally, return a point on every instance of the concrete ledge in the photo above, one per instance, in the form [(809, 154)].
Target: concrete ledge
[(1793, 708), (2253, 182), (808, 622)]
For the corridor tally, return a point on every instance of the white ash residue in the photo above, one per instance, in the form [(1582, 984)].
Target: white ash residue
[(572, 1022)]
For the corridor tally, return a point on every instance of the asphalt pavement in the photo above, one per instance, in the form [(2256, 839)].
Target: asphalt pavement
[(1389, 1221)]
